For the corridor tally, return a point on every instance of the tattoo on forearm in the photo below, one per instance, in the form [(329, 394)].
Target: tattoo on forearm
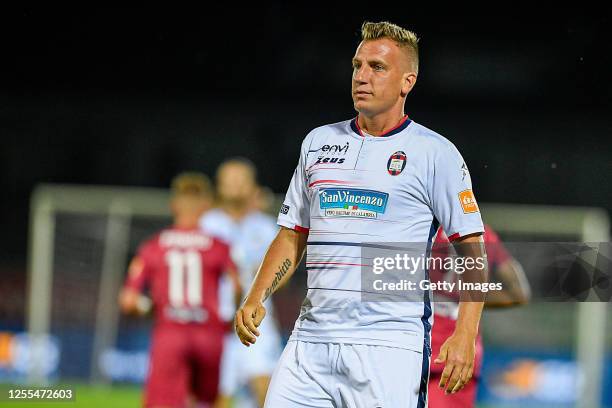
[(278, 276)]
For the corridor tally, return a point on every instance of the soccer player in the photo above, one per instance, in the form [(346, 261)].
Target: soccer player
[(376, 178), (515, 291), (249, 233), (182, 267)]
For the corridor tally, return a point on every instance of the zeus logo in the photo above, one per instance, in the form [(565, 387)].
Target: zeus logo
[(329, 160)]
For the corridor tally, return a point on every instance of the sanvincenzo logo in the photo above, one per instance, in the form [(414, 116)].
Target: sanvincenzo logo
[(352, 202)]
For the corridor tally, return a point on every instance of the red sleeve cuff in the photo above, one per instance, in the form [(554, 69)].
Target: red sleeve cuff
[(457, 235), (301, 229)]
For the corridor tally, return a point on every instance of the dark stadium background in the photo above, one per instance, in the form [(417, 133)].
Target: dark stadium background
[(132, 96)]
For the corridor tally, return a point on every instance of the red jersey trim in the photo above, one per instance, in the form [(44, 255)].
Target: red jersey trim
[(301, 229), (314, 183)]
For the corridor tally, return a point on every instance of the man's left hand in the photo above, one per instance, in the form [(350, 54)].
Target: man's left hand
[(458, 353)]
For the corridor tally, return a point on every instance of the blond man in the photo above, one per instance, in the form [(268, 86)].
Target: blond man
[(359, 184)]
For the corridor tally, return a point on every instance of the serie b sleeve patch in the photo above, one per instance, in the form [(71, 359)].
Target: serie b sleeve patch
[(468, 202)]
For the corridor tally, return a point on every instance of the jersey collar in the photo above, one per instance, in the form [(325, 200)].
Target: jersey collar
[(403, 124)]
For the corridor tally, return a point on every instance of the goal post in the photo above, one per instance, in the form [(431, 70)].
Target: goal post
[(117, 204)]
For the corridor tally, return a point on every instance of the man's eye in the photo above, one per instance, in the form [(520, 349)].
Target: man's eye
[(378, 67)]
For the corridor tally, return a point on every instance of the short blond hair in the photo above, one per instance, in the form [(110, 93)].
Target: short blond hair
[(192, 184), (403, 37)]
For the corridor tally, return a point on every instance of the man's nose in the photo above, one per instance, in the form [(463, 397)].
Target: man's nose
[(360, 75)]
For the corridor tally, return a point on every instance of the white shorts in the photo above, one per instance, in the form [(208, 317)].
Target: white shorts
[(240, 363), (332, 375)]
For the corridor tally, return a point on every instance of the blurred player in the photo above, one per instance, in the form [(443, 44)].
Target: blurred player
[(505, 269), (249, 232), (182, 267)]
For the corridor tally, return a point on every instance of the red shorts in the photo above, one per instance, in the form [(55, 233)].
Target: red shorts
[(466, 398), (184, 361)]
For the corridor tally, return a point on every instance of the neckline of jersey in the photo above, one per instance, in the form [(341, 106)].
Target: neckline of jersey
[(403, 124)]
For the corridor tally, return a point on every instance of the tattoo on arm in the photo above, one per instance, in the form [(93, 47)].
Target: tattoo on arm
[(278, 276)]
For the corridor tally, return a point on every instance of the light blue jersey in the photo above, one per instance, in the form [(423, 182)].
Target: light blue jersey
[(351, 188), (249, 239)]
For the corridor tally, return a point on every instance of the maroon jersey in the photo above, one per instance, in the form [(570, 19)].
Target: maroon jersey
[(445, 312), (182, 269)]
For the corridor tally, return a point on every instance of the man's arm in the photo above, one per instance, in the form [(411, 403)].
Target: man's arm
[(281, 260), (459, 350), (131, 298)]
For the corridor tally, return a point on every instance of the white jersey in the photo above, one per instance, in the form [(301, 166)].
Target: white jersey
[(351, 188)]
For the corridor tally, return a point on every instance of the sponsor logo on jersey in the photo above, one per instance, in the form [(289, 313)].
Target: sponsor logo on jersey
[(352, 202), (468, 201), (333, 149), (284, 209), (336, 160), (396, 163), (331, 153)]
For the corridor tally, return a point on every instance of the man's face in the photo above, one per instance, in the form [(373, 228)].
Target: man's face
[(235, 184), (381, 76)]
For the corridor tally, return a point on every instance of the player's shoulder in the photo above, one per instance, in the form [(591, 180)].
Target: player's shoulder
[(150, 245), (431, 141), (260, 220), (324, 132), (218, 243), (259, 217), (429, 136), (217, 223), (152, 240), (214, 216)]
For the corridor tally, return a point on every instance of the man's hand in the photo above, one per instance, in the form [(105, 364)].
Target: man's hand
[(247, 320), (458, 350), (458, 353), (133, 302)]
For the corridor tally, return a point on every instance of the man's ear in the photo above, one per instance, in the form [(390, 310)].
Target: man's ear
[(408, 81)]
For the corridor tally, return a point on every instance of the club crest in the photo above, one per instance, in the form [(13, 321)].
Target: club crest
[(396, 163)]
